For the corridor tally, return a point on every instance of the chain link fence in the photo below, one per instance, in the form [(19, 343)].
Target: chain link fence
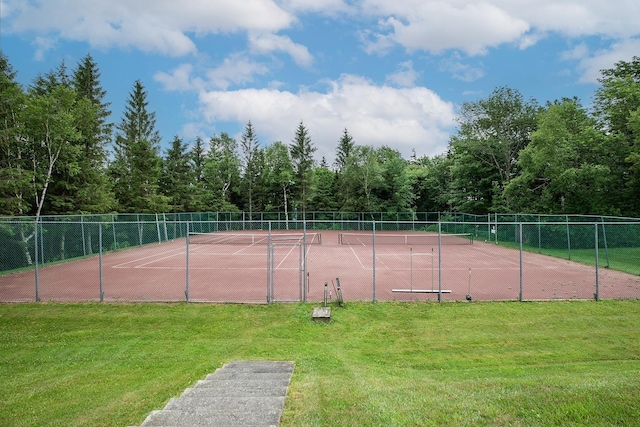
[(273, 257)]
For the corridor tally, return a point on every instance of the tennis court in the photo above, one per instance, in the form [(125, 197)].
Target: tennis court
[(259, 267)]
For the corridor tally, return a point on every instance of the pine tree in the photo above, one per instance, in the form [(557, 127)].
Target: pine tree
[(93, 189), (249, 147), (137, 165), (197, 158), (346, 147), (302, 151), (178, 177)]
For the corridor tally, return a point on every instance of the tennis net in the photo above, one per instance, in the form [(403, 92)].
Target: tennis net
[(366, 239), (224, 238)]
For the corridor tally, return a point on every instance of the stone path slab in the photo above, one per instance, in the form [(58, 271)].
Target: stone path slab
[(240, 394)]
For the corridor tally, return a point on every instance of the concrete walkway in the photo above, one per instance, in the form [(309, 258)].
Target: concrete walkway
[(241, 393)]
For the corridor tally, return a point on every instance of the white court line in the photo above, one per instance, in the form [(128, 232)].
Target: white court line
[(123, 265), (357, 257), (286, 256)]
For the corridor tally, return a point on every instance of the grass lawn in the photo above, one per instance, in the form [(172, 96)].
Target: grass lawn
[(387, 364), (620, 259)]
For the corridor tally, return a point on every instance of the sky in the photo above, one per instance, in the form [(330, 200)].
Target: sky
[(391, 72)]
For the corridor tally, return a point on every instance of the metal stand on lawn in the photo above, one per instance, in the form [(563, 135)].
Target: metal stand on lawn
[(469, 287), (338, 292)]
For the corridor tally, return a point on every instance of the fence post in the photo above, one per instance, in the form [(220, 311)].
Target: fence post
[(36, 250), (373, 223), (186, 291), (100, 259), (597, 294), (520, 298), (303, 281), (113, 225), (84, 244), (439, 261), (269, 267), (604, 240), (568, 237)]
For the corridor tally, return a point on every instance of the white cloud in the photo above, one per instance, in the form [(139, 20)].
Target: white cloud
[(235, 70), (461, 71), (5, 9), (592, 63), (162, 26), (474, 26), (405, 76), (577, 18), (265, 43), (406, 119), (436, 26), (326, 7), (42, 45), (179, 79)]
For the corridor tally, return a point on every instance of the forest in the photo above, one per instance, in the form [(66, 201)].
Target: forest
[(62, 152)]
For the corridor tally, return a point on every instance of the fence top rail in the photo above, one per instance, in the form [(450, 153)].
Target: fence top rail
[(458, 217), (322, 222)]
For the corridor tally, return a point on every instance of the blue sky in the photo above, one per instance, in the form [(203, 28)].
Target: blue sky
[(391, 72)]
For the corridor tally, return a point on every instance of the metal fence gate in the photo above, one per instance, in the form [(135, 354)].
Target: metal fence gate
[(286, 271)]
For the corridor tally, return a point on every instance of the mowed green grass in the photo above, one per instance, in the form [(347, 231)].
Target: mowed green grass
[(388, 364), (620, 259)]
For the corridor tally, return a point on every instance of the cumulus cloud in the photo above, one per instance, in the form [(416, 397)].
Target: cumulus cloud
[(325, 7), (590, 64), (460, 70), (179, 79), (162, 26), (473, 27), (436, 26), (406, 118), (42, 45), (236, 69), (405, 76), (265, 43)]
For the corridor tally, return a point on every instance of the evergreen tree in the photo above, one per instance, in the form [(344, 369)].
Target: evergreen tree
[(93, 190), (249, 148), (177, 180), (137, 165), (302, 151), (197, 157), (344, 190), (344, 150)]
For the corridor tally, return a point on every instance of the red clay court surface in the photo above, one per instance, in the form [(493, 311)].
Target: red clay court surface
[(238, 273)]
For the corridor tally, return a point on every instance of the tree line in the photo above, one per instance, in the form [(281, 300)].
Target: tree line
[(60, 153)]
